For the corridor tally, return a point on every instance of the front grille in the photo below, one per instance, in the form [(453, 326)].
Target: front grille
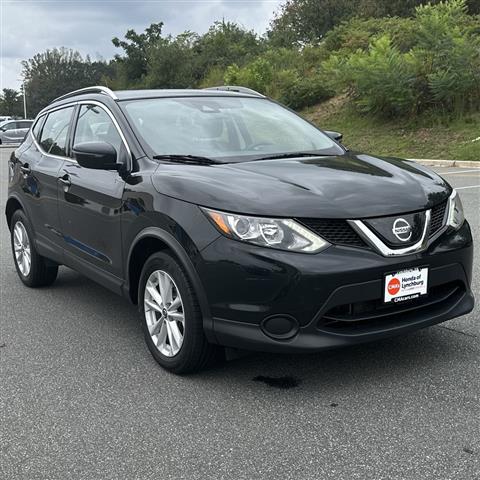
[(438, 215), (337, 232), (360, 317)]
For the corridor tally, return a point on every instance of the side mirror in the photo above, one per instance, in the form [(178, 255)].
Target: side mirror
[(96, 155), (3, 129), (337, 136)]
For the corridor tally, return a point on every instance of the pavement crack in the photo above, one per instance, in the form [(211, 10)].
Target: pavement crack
[(471, 335)]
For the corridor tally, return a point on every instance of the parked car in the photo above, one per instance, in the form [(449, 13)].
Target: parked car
[(4, 118), (14, 131), (233, 222)]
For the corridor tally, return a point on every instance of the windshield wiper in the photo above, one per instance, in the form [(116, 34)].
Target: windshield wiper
[(179, 158), (290, 155)]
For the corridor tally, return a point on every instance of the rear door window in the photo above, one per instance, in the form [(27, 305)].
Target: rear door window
[(55, 130)]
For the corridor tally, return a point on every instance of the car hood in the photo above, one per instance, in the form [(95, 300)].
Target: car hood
[(345, 186)]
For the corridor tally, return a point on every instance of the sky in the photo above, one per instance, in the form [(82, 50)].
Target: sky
[(28, 27)]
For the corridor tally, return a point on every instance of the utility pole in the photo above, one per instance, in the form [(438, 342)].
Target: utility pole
[(24, 96), (24, 100)]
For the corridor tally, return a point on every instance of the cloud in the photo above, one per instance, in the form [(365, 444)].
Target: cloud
[(31, 26)]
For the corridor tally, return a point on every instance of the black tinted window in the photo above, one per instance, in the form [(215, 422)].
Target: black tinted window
[(54, 133)]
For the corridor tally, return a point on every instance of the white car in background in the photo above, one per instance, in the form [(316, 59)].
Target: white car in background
[(14, 131)]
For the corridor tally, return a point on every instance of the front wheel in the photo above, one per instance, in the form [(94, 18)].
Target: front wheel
[(33, 269), (172, 319)]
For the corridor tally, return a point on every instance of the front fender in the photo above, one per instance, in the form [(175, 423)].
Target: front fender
[(181, 255)]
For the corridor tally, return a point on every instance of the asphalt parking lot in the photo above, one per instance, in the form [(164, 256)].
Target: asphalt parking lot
[(81, 397)]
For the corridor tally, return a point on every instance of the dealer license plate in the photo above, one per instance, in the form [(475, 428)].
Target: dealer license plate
[(406, 285)]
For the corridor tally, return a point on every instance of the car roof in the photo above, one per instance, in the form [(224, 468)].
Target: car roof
[(97, 93)]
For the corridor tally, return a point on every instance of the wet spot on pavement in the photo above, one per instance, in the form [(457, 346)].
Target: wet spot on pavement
[(278, 382)]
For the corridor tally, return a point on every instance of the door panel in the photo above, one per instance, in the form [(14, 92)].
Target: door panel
[(90, 200), (39, 184), (90, 209)]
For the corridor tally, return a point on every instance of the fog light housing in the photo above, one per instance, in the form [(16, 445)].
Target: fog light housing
[(280, 327)]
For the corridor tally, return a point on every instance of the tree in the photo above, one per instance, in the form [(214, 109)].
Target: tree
[(132, 66), (155, 61), (58, 71), (307, 21), (171, 62), (224, 44), (11, 103)]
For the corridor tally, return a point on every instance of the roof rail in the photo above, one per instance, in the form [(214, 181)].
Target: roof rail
[(96, 89), (235, 88)]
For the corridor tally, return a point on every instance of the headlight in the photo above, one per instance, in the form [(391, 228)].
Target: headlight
[(283, 234), (456, 217)]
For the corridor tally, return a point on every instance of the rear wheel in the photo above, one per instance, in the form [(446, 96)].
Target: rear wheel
[(172, 320), (33, 269)]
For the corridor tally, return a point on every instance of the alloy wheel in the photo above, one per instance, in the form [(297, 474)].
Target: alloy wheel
[(21, 246), (164, 313)]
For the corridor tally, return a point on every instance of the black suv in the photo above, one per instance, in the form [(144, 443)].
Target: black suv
[(232, 221)]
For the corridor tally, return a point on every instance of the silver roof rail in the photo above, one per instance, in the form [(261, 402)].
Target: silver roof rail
[(96, 89), (235, 88)]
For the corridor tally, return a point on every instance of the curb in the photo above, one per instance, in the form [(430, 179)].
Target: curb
[(446, 163)]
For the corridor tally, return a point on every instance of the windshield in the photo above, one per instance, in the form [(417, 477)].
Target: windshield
[(226, 128)]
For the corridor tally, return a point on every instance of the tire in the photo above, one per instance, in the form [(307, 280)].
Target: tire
[(38, 272), (162, 324)]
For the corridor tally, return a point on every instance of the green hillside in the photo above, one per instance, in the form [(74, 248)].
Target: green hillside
[(426, 137)]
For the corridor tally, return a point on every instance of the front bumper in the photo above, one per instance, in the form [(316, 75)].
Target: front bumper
[(334, 297)]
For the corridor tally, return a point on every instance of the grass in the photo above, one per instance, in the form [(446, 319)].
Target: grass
[(427, 137)]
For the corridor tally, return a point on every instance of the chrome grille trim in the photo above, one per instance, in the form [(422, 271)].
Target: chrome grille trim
[(371, 239)]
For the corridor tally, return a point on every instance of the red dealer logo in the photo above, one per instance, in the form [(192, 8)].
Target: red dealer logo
[(393, 286)]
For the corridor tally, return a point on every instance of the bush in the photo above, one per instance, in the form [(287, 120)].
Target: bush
[(288, 75), (436, 67), (305, 92), (358, 33), (257, 75), (381, 80), (447, 57)]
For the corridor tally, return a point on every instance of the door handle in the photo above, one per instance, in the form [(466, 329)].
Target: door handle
[(25, 169), (65, 180)]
